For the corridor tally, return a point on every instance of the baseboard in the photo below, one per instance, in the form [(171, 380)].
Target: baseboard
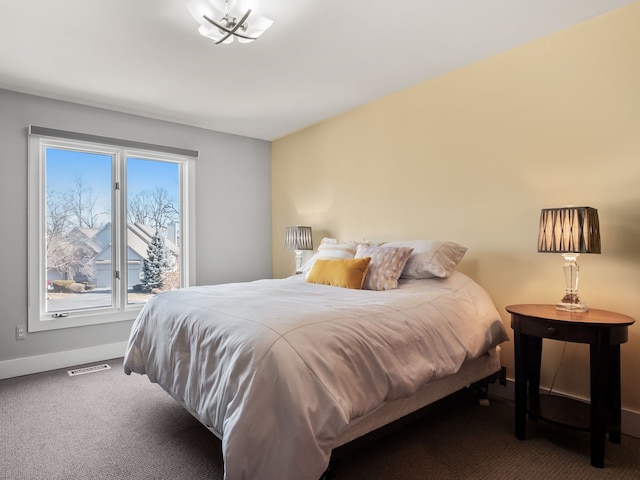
[(630, 419), (52, 361)]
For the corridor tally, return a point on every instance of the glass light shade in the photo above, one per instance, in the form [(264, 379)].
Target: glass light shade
[(570, 231), (257, 26), (199, 9)]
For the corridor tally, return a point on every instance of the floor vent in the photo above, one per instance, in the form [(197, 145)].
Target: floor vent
[(93, 368)]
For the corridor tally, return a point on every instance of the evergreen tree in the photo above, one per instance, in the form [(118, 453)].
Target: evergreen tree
[(156, 264)]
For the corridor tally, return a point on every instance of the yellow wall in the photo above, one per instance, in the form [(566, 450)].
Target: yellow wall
[(473, 156)]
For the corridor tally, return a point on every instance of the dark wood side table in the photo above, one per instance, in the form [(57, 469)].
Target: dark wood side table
[(604, 332)]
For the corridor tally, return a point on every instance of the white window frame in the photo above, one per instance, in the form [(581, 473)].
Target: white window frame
[(120, 150)]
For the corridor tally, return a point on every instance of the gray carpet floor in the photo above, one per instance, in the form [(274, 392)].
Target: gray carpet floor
[(107, 425)]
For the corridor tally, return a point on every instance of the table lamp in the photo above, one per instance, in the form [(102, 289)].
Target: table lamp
[(570, 231), (298, 238)]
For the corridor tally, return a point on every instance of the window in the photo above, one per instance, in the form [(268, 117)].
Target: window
[(107, 227)]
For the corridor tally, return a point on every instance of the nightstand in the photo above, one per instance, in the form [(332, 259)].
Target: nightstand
[(604, 332)]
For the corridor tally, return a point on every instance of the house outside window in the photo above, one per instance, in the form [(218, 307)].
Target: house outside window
[(107, 227)]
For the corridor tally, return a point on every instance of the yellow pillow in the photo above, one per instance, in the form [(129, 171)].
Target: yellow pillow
[(340, 273)]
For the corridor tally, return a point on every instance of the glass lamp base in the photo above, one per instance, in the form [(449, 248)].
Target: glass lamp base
[(298, 261), (572, 303)]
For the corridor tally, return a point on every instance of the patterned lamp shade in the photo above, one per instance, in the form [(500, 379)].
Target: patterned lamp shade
[(298, 238), (569, 230)]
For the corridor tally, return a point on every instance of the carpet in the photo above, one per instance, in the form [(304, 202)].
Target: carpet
[(109, 426)]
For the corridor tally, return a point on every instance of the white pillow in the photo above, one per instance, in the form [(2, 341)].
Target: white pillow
[(306, 268), (430, 258), (331, 249)]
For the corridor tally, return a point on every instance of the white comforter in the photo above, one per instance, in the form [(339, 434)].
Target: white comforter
[(278, 368)]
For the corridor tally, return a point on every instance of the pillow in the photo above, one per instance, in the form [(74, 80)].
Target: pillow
[(386, 265), (430, 258), (346, 273), (308, 264), (330, 249)]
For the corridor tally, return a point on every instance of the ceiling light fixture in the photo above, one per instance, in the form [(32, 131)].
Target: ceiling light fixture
[(224, 20)]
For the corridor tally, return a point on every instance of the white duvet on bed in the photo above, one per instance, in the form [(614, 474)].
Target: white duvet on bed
[(278, 368)]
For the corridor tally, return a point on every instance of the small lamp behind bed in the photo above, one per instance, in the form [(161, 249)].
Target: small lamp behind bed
[(570, 231), (298, 238)]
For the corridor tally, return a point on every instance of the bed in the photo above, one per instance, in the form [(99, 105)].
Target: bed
[(284, 371)]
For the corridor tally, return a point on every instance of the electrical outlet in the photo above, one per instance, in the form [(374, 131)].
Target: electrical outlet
[(21, 332)]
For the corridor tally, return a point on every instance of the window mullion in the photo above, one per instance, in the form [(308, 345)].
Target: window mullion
[(120, 231)]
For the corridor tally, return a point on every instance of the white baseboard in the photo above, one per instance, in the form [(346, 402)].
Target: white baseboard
[(630, 419), (52, 361)]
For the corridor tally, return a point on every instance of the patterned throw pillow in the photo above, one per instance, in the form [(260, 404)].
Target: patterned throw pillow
[(385, 267)]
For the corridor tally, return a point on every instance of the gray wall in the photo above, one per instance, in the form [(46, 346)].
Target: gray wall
[(232, 197)]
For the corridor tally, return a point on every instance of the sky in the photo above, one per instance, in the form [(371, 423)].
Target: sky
[(94, 170)]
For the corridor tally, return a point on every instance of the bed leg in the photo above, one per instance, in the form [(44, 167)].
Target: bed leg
[(482, 386), (483, 401)]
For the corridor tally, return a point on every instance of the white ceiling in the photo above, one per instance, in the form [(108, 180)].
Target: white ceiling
[(320, 57)]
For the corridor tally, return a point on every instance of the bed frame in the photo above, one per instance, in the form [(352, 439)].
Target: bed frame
[(379, 422)]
